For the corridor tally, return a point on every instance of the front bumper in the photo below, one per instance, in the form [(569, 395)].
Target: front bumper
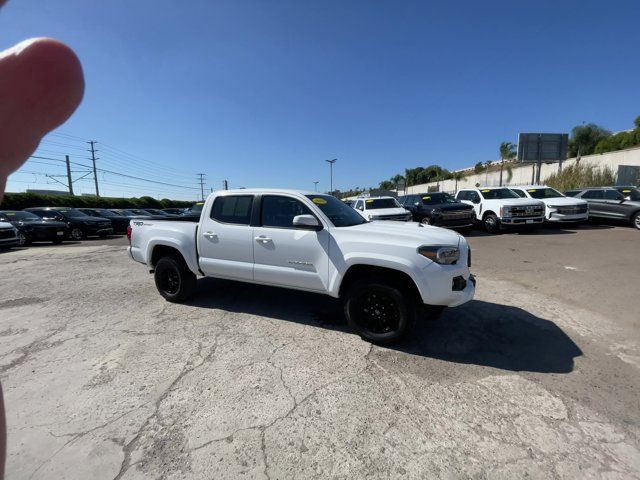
[(9, 242), (555, 217), (520, 221), (447, 285)]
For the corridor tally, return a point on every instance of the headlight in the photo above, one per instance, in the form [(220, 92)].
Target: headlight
[(373, 217), (15, 231), (442, 254), (436, 212), (553, 206), (505, 211)]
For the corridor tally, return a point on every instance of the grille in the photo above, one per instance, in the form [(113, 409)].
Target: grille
[(527, 211), (572, 210), (7, 233), (401, 217), (457, 214)]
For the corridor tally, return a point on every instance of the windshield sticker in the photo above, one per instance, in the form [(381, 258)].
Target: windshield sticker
[(486, 190), (319, 201), (426, 198), (626, 191), (369, 201), (10, 214), (532, 190)]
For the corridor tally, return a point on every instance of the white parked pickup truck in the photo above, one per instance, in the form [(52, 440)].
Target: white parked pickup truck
[(382, 208), (383, 271), (558, 207), (499, 207)]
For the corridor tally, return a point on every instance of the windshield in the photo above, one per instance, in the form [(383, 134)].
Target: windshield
[(496, 193), (17, 216), (71, 213), (340, 214), (104, 212), (436, 198), (375, 203), (196, 207), (544, 193)]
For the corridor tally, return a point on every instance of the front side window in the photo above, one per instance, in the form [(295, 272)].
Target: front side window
[(280, 211), (360, 205), (233, 209), (613, 195)]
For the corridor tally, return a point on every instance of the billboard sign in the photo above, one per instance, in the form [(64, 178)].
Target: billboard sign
[(542, 147)]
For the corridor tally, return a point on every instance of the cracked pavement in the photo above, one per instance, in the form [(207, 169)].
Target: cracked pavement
[(103, 379)]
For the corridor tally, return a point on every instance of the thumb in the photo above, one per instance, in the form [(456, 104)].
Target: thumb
[(41, 85)]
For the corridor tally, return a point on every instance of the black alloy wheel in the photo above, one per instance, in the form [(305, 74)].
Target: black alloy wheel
[(174, 280)]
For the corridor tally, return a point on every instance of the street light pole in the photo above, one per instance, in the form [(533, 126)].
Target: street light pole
[(315, 184), (331, 162)]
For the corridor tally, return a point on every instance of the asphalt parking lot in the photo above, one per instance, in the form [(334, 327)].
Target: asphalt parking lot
[(538, 377)]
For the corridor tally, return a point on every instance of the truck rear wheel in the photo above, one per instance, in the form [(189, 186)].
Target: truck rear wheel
[(174, 280), (378, 311)]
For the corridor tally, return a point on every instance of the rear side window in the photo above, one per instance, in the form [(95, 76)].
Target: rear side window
[(593, 194), (233, 209), (279, 211)]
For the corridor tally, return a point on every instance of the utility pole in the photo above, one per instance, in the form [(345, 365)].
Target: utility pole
[(331, 162), (201, 181), (93, 159), (315, 184), (69, 181)]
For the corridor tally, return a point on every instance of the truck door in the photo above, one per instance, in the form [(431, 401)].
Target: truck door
[(225, 238), (285, 255)]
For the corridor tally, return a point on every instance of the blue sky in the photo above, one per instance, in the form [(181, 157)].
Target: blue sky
[(260, 93)]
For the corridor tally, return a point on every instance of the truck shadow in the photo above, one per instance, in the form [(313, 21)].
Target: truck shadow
[(478, 333)]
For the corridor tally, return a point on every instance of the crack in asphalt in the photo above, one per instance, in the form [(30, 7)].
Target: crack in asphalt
[(187, 369)]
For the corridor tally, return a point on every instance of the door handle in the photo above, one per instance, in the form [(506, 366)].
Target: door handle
[(210, 234), (263, 239)]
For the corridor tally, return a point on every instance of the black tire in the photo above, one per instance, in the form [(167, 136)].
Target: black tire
[(635, 220), (175, 282), (77, 234), (491, 223), (425, 221), (24, 239), (378, 311)]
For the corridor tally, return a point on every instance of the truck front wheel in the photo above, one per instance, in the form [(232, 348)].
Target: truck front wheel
[(174, 280), (491, 223), (377, 311)]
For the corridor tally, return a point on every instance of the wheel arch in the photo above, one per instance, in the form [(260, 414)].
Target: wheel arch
[(393, 276)]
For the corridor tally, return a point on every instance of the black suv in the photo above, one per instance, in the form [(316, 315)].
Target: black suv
[(32, 228), (118, 221), (80, 224), (609, 203), (438, 208)]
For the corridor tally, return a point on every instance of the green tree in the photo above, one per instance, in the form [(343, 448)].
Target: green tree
[(584, 139), (507, 152), (457, 176), (478, 168)]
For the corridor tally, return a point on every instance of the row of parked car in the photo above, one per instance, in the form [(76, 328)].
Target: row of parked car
[(57, 224), (496, 208)]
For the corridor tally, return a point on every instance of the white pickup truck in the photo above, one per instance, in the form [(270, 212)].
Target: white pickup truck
[(383, 271), (500, 207)]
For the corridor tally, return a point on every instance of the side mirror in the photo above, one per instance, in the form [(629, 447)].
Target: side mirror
[(307, 222), (417, 204), (475, 200)]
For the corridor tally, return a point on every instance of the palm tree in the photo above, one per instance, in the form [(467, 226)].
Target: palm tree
[(459, 175), (487, 164), (507, 152)]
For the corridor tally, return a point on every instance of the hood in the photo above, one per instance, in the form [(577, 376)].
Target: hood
[(4, 225), (448, 207), (385, 211), (48, 223), (563, 201), (404, 232)]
